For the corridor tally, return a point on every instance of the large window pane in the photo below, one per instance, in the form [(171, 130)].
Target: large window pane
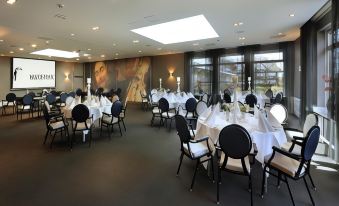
[(269, 72), (202, 75), (231, 65)]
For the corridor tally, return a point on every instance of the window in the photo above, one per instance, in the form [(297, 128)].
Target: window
[(202, 69), (229, 66), (269, 72)]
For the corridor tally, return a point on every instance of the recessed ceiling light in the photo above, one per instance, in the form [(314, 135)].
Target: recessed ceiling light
[(86, 55), (242, 38), (77, 59), (56, 53), (291, 15), (114, 44), (235, 24), (280, 33), (102, 56), (96, 28), (33, 45), (116, 54), (1, 40), (139, 51), (72, 34), (116, 58), (11, 52), (2, 55), (10, 1), (21, 49), (47, 42), (135, 41), (196, 44), (159, 48), (182, 30), (89, 49), (89, 57), (241, 23)]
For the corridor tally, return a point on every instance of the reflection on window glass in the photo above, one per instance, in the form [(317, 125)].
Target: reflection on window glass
[(269, 72), (231, 65), (202, 75)]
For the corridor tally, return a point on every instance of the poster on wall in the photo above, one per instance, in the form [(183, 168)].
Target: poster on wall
[(130, 75), (32, 73)]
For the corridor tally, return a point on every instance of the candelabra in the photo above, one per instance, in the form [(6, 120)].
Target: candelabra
[(88, 88), (249, 84)]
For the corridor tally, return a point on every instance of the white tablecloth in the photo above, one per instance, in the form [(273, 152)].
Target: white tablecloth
[(264, 140), (95, 110), (174, 100)]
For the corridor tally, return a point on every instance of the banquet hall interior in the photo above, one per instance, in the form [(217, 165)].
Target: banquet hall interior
[(155, 102)]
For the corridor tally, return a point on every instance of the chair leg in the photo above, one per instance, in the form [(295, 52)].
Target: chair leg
[(212, 167), (100, 129), (289, 190), (263, 182), (309, 192), (310, 177), (218, 184), (46, 136), (170, 125), (120, 129), (152, 120), (279, 178), (50, 146), (123, 123), (195, 172), (181, 157), (90, 137)]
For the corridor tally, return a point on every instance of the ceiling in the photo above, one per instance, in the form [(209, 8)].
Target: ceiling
[(30, 22)]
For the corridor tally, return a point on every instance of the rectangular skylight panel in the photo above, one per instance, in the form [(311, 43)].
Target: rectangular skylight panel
[(182, 30), (56, 53)]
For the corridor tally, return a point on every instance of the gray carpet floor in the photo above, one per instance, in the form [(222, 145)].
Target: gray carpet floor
[(136, 169)]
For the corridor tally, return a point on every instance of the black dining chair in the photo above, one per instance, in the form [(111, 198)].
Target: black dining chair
[(62, 100), (56, 124), (277, 100), (235, 147), (291, 166), (9, 102), (81, 121), (25, 106), (165, 112), (71, 94), (123, 113), (190, 107), (196, 150), (251, 100), (51, 99), (78, 92), (227, 98), (144, 101), (109, 120), (201, 107)]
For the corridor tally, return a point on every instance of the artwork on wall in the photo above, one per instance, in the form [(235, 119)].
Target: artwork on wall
[(131, 75)]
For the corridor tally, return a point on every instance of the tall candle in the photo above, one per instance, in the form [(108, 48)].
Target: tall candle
[(160, 79), (89, 80), (235, 79), (249, 78), (178, 79)]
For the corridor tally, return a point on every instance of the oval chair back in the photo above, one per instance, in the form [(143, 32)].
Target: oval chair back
[(55, 93), (227, 98), (27, 100), (278, 98), (201, 107), (310, 143), (279, 112), (71, 94), (63, 97), (32, 94), (241, 106), (118, 92), (191, 104), (214, 99), (50, 98), (69, 100), (205, 97), (116, 109), (235, 141), (99, 91), (10, 97), (163, 105), (311, 120), (46, 115), (182, 129), (269, 93), (78, 92), (80, 113), (251, 100)]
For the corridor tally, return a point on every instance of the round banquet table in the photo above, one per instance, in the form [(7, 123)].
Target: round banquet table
[(174, 100), (263, 140)]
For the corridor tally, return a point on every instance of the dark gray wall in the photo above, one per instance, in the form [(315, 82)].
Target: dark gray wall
[(297, 79)]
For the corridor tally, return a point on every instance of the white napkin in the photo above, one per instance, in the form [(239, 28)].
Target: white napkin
[(211, 119), (190, 95), (92, 103), (206, 113), (256, 111), (263, 123), (107, 101), (73, 104), (102, 101), (69, 101), (274, 122)]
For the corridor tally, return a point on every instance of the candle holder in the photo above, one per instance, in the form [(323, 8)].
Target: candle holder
[(160, 81), (178, 83), (249, 85), (89, 89)]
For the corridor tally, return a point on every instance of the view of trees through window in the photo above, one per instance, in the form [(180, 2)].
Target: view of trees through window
[(269, 72), (229, 66), (202, 75)]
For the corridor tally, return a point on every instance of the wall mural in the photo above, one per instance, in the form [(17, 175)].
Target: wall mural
[(131, 75)]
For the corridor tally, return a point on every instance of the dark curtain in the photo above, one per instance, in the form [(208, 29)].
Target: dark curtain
[(333, 104)]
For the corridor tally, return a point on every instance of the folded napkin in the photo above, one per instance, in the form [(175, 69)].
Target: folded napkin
[(211, 120), (256, 111), (274, 122), (190, 95), (154, 91), (107, 101), (263, 124), (69, 101), (102, 101)]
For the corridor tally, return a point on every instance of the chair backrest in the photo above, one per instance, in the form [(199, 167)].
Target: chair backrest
[(10, 97), (235, 141), (241, 106), (80, 113), (310, 143), (201, 107), (78, 92), (269, 93), (32, 94), (71, 94), (205, 97), (99, 91), (278, 97), (214, 99), (63, 97), (55, 93), (227, 98), (126, 101), (27, 100), (50, 98), (227, 91), (279, 112), (116, 109), (118, 91), (182, 129), (251, 100), (191, 104), (163, 105), (69, 100), (311, 120)]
